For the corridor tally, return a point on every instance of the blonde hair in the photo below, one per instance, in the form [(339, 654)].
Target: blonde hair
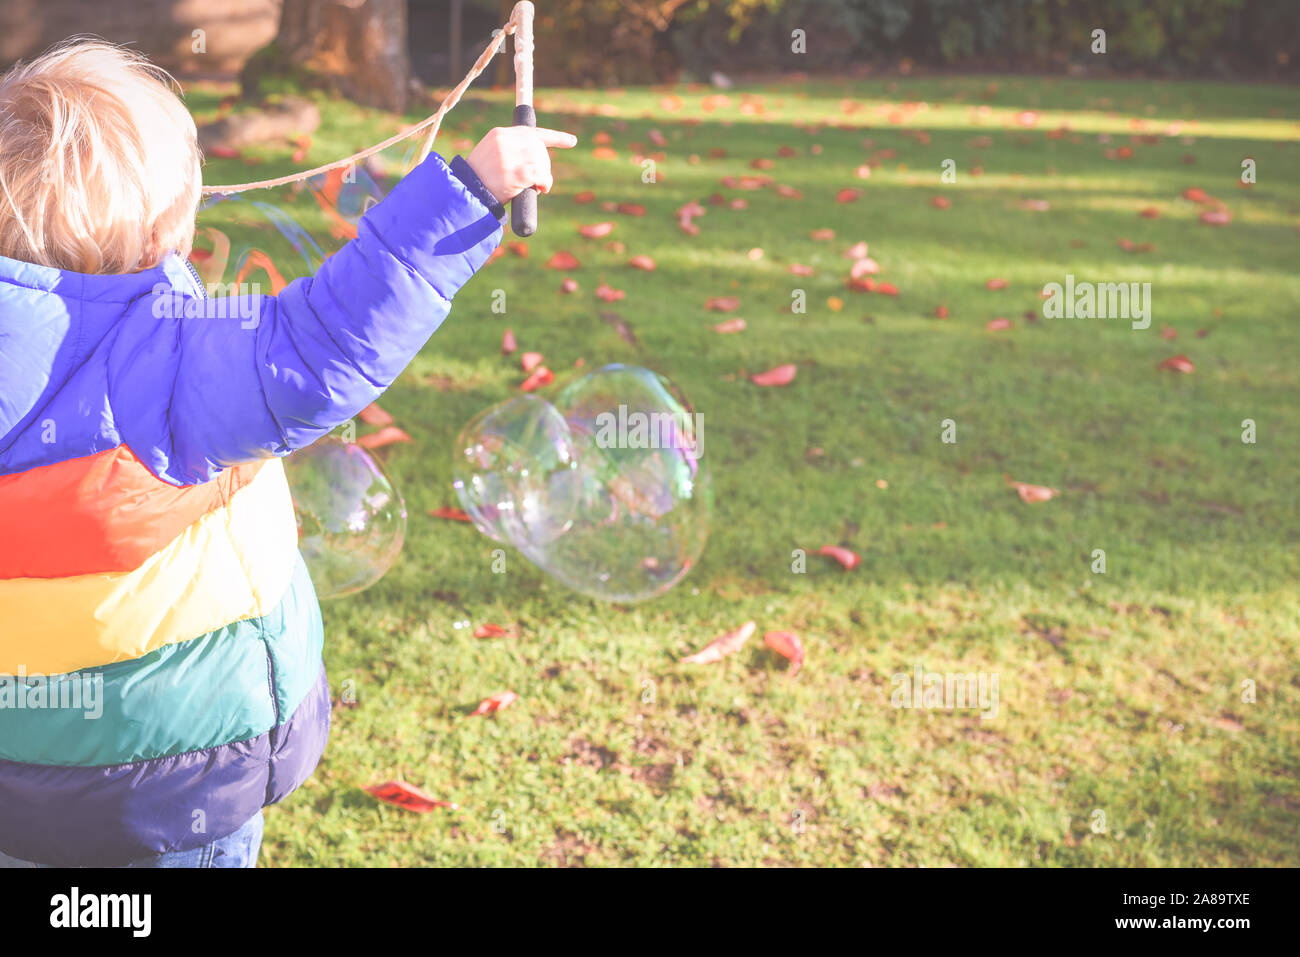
[(99, 161)]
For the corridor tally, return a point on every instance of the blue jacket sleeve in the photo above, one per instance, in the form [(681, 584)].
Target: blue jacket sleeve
[(284, 370)]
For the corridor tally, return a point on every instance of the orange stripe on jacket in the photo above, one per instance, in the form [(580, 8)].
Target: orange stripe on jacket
[(98, 514)]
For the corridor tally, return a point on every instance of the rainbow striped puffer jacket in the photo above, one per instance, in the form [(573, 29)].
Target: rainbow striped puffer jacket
[(161, 675)]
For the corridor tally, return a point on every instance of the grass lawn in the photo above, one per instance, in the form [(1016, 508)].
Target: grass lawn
[(1126, 733)]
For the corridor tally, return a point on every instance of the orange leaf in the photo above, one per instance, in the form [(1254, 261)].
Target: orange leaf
[(778, 375), (1149, 212), (730, 325), (608, 293), (822, 234), (374, 415), (569, 286), (407, 796), (1216, 217), (848, 195), (849, 559), (1196, 194), (941, 312), (863, 267), (563, 260), (502, 699), (998, 324), (787, 645), (631, 209), (856, 251), (508, 344), (941, 202), (489, 630), (530, 360), (385, 436), (887, 288), (541, 376), (996, 284), (1179, 363), (642, 262), (596, 230), (722, 646), (1033, 493), (447, 512), (798, 269), (604, 153), (519, 249), (722, 303), (586, 196), (222, 152)]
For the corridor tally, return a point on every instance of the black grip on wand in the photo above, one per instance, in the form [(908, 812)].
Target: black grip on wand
[(523, 208)]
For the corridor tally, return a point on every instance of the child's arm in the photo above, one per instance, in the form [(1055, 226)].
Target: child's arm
[(328, 345)]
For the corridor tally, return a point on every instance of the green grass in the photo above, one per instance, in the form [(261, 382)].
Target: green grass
[(1120, 693)]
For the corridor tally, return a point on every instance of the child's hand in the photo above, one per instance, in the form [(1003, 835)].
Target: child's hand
[(510, 159)]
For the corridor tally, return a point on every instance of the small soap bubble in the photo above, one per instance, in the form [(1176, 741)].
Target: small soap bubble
[(351, 519)]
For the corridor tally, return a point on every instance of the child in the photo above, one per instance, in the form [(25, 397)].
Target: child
[(161, 677)]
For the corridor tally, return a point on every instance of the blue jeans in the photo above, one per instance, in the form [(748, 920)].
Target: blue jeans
[(235, 850)]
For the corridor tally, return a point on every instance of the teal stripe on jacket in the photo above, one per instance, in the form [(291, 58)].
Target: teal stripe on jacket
[(190, 696)]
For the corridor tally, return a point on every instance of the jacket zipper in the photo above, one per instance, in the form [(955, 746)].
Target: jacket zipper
[(198, 280)]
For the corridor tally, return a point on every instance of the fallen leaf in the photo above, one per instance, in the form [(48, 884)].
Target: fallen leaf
[(407, 796), (1179, 363), (722, 646), (856, 251), (631, 209), (385, 436), (822, 234), (849, 559), (586, 196), (998, 324), (608, 293), (374, 415), (569, 286), (502, 699), (787, 645), (508, 344), (778, 375), (848, 195), (449, 513), (596, 230), (730, 325), (1216, 217), (563, 260), (489, 630), (996, 284), (941, 312), (530, 361), (222, 152), (1149, 212), (1032, 493), (798, 269), (642, 262), (887, 289), (722, 303), (941, 202), (604, 153), (541, 376), (863, 267)]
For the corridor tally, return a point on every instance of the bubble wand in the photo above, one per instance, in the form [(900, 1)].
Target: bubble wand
[(523, 208)]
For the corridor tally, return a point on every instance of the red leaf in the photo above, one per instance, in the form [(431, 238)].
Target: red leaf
[(863, 267), (778, 375), (541, 376), (489, 630), (789, 192), (848, 195), (1149, 212), (1216, 217), (1179, 363), (407, 796), (1196, 194), (1168, 332), (530, 360), (1033, 493), (569, 286), (222, 152), (519, 249), (998, 324), (822, 234), (722, 646), (849, 559), (856, 251), (722, 303), (374, 415), (941, 202), (508, 344), (688, 227), (502, 699), (385, 436), (631, 209), (563, 260), (608, 293), (798, 269), (730, 325), (642, 262), (596, 230), (447, 512), (941, 312), (787, 645), (586, 196), (996, 284), (887, 288)]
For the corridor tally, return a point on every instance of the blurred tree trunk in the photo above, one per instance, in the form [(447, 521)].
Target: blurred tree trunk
[(357, 47)]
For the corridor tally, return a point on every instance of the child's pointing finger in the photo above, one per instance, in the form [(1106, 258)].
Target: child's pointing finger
[(556, 139)]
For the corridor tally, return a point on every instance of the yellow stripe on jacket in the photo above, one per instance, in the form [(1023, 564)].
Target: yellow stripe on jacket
[(233, 563)]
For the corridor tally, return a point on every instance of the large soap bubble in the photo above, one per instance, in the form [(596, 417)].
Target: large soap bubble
[(351, 520), (605, 490)]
